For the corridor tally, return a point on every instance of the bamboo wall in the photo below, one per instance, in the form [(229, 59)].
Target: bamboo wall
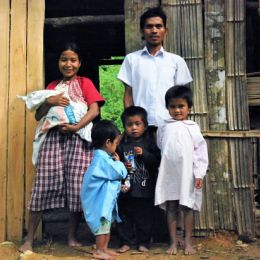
[(21, 56), (212, 41)]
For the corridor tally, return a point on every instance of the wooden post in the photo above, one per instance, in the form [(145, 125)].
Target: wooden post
[(4, 79), (133, 11), (16, 120), (35, 81)]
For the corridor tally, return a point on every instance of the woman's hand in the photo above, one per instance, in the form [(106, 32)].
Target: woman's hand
[(58, 100), (67, 128)]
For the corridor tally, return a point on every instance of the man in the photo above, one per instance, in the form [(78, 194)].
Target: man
[(148, 73)]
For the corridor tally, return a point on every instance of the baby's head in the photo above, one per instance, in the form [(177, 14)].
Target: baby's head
[(178, 101), (135, 122), (105, 135)]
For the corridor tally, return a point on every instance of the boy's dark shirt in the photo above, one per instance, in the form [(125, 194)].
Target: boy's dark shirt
[(143, 180)]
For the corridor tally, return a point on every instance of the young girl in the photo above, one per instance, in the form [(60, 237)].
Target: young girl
[(136, 205), (101, 186), (64, 156), (183, 165)]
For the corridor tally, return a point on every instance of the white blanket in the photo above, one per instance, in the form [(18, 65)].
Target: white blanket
[(56, 115)]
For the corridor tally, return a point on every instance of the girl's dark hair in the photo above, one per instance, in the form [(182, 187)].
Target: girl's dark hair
[(70, 46), (179, 92), (134, 111), (153, 12), (103, 130)]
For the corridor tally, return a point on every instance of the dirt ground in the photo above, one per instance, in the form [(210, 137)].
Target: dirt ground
[(223, 245)]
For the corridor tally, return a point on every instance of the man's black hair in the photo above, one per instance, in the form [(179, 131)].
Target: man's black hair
[(103, 130), (153, 12), (181, 91)]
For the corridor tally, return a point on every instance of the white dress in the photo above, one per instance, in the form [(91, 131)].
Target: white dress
[(184, 158)]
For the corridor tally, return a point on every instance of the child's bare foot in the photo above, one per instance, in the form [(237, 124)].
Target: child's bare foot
[(123, 249), (26, 246), (111, 252), (172, 250), (143, 249), (73, 242), (180, 242), (189, 250), (102, 255)]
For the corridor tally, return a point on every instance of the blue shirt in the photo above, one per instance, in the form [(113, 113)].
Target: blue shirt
[(100, 189)]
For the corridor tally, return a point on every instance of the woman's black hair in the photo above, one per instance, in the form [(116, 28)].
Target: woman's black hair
[(72, 46), (179, 92), (103, 130), (153, 12), (134, 111)]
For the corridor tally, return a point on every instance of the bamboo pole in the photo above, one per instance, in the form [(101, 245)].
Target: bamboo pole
[(4, 79), (16, 124)]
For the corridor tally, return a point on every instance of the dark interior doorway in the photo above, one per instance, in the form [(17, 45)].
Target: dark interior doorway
[(97, 26)]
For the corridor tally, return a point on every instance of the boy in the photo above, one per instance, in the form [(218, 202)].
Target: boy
[(137, 203)]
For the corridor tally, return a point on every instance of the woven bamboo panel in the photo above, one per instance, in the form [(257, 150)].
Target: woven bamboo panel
[(253, 91), (185, 38), (241, 154), (235, 53)]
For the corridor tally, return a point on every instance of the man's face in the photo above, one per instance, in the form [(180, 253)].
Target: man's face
[(154, 31)]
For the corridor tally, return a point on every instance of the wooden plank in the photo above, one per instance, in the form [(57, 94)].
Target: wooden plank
[(4, 79), (35, 81), (16, 120), (232, 134), (59, 22), (133, 11)]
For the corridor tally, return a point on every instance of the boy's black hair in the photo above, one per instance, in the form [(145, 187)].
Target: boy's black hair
[(153, 12), (134, 111), (72, 46), (103, 130), (179, 92)]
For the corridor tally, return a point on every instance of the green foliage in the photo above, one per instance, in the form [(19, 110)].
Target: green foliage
[(112, 90)]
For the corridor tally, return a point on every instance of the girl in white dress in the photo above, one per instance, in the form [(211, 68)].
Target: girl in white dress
[(183, 165)]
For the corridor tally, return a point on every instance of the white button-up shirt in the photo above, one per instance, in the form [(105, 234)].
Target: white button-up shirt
[(150, 77)]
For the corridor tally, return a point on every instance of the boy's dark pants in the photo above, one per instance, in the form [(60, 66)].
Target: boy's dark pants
[(137, 220)]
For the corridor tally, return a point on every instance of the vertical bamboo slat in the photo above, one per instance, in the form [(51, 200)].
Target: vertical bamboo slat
[(133, 11), (235, 53), (16, 123), (185, 38), (4, 79), (35, 80)]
